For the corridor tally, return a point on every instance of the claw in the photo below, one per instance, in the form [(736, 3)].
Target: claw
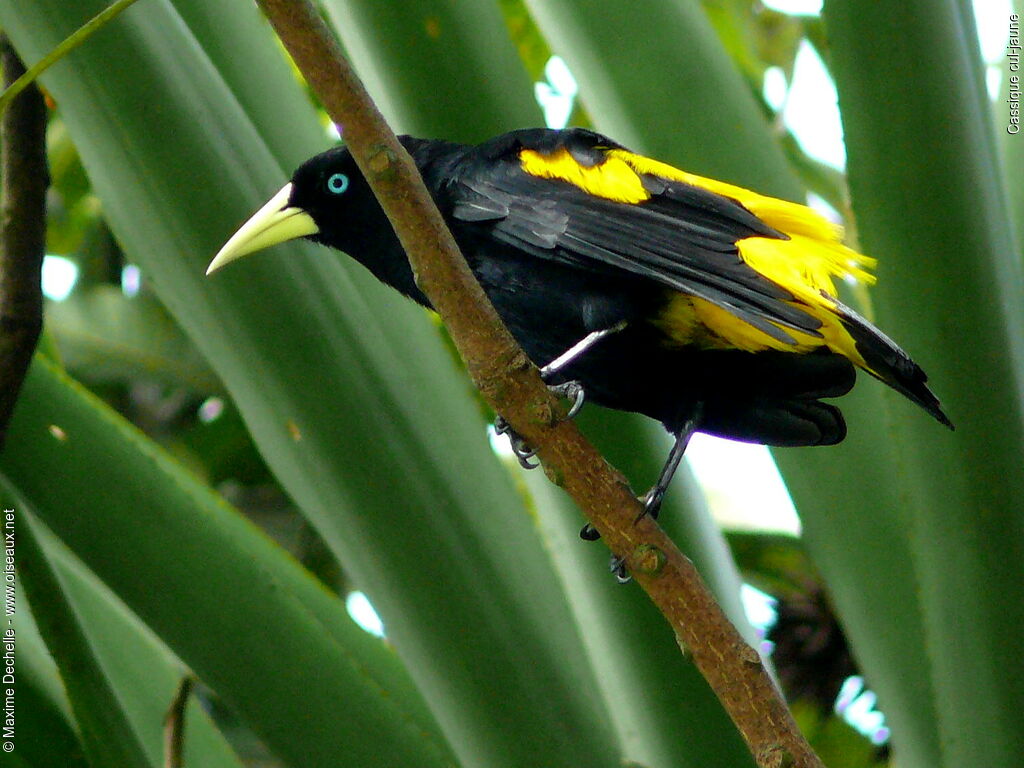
[(524, 460), (520, 449), (589, 533), (617, 565), (570, 390)]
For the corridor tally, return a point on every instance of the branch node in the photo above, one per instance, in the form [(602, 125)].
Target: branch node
[(777, 756), (749, 654), (544, 413), (648, 559), (383, 162)]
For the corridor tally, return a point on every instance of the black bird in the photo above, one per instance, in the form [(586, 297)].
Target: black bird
[(697, 303)]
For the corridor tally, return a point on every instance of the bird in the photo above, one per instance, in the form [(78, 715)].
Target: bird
[(629, 282)]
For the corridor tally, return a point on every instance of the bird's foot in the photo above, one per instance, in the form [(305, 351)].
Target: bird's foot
[(652, 503), (652, 506), (522, 451), (571, 390), (617, 565)]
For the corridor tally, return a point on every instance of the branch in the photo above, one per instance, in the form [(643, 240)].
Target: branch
[(22, 231), (174, 723), (512, 386)]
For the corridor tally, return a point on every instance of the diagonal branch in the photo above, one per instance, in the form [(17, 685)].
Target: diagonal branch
[(512, 386), (22, 231)]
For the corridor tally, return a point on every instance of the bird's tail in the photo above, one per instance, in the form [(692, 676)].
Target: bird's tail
[(884, 360)]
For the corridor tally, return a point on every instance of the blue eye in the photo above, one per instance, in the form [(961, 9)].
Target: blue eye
[(337, 183)]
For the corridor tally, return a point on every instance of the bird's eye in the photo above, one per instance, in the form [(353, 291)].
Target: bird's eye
[(337, 183)]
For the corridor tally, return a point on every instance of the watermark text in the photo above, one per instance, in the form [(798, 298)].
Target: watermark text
[(1013, 49), (7, 676)]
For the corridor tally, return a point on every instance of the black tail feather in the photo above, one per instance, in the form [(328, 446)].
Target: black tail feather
[(781, 423), (890, 364)]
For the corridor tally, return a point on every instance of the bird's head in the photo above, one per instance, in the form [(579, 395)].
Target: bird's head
[(327, 200)]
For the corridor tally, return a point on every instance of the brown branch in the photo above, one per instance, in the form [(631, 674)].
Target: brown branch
[(512, 386), (174, 723), (22, 231)]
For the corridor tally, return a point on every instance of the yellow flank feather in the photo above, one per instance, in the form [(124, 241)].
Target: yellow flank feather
[(805, 264), (613, 179), (689, 321)]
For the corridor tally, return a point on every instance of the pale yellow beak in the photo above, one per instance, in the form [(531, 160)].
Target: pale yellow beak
[(276, 222)]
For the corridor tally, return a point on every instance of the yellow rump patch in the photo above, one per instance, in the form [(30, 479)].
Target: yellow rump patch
[(613, 179), (803, 266), (687, 320)]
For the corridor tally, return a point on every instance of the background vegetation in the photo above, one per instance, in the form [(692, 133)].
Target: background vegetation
[(157, 427)]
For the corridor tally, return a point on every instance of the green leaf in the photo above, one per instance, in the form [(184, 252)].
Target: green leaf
[(126, 661), (755, 37), (72, 211), (41, 705), (532, 47), (775, 563), (929, 201), (403, 51), (225, 449), (835, 741), (212, 586), (108, 738), (106, 337), (76, 38)]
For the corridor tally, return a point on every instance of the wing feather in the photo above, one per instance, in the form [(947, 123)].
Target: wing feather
[(578, 198), (682, 237)]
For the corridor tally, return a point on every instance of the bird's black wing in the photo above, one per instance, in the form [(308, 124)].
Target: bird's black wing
[(680, 235)]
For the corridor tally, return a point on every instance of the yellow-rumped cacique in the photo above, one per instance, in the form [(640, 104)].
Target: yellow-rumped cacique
[(698, 303)]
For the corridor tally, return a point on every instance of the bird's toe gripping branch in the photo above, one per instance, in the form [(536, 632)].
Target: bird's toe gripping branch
[(570, 390), (617, 565), (522, 451)]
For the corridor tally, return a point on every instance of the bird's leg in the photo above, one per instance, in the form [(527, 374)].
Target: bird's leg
[(578, 349), (571, 390), (654, 497)]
